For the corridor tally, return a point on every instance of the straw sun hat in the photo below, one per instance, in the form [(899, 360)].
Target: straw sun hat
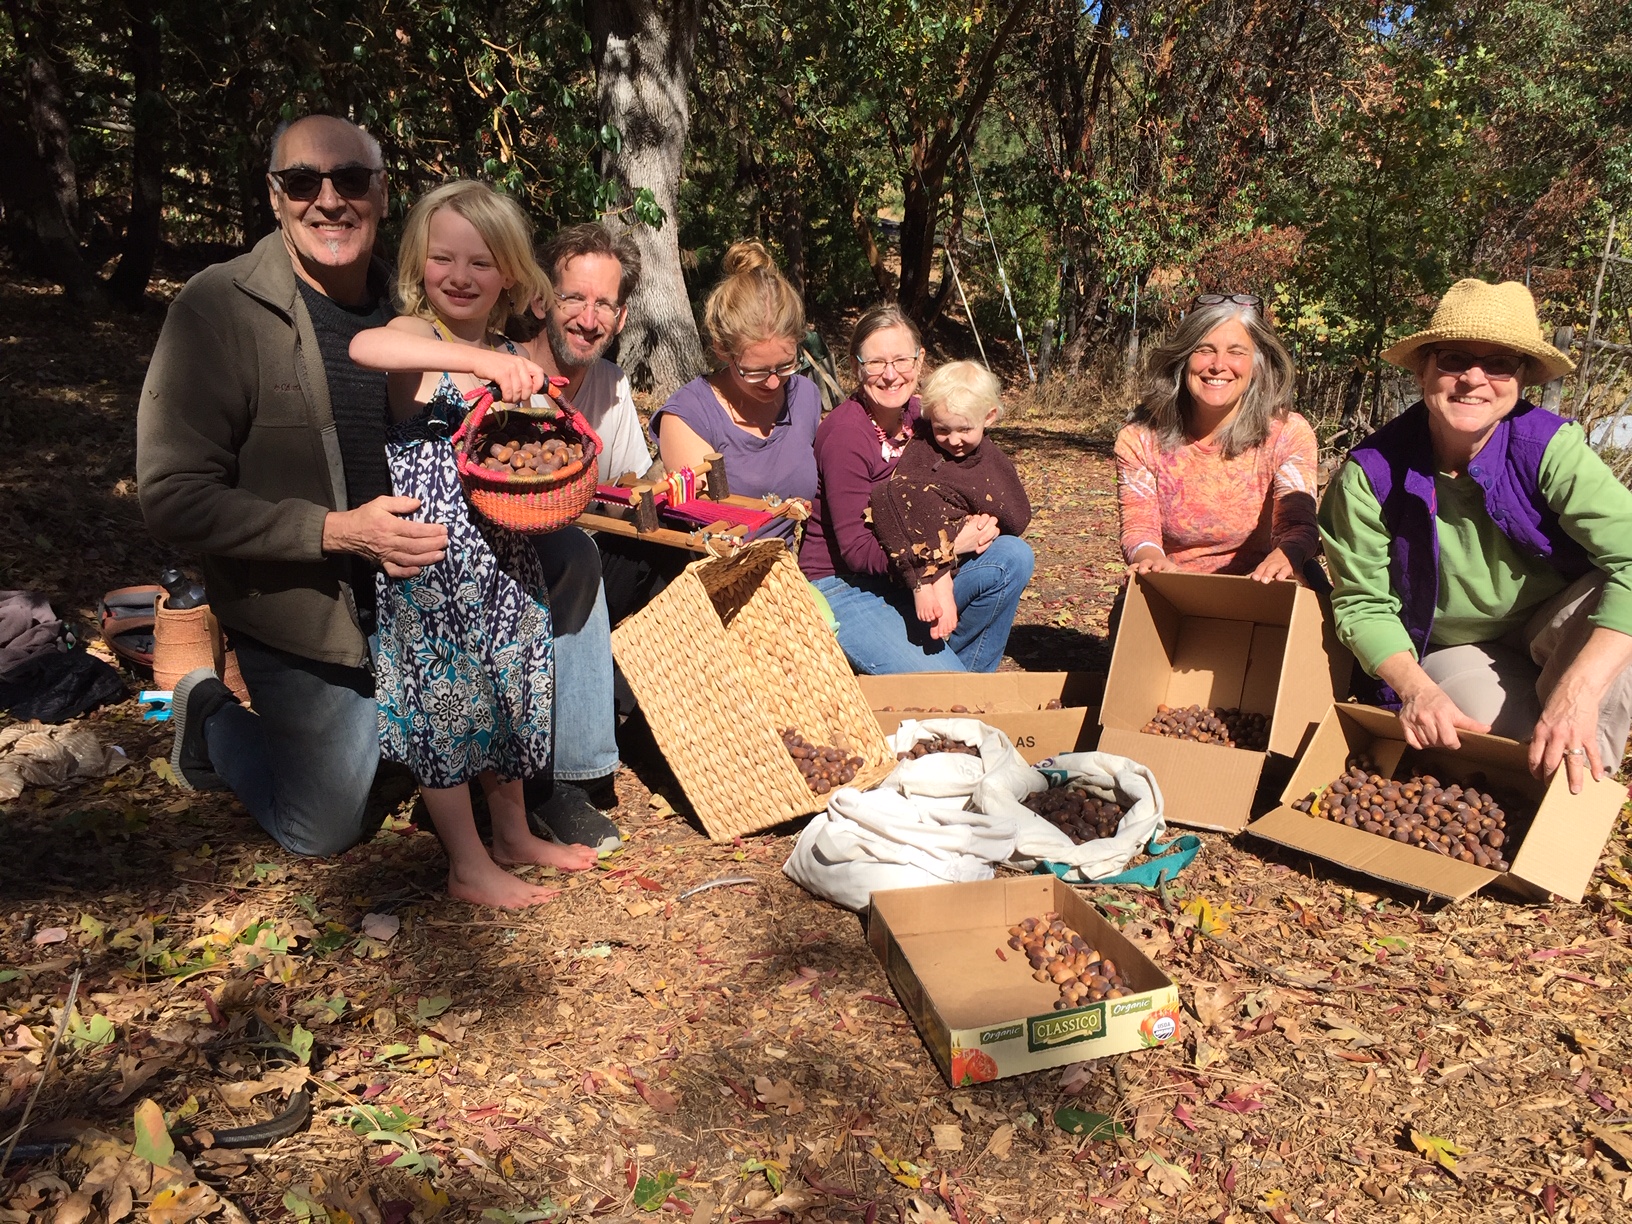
[(1503, 314)]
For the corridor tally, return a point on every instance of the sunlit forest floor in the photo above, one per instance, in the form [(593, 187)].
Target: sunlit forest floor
[(1349, 1052)]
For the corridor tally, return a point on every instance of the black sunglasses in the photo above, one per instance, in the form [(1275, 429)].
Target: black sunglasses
[(303, 183), (1240, 299)]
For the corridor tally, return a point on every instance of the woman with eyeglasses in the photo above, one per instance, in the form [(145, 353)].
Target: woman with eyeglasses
[(1481, 552), (857, 448), (753, 410), (1215, 472)]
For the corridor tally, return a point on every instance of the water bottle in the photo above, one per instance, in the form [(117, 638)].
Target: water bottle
[(181, 592)]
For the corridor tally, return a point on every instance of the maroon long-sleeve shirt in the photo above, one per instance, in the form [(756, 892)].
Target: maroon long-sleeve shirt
[(917, 512)]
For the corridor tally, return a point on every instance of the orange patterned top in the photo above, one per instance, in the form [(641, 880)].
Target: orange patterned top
[(1214, 515)]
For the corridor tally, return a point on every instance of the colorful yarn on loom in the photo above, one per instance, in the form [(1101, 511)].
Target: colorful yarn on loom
[(681, 486)]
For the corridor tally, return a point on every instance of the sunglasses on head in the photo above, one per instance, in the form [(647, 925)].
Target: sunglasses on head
[(1239, 299), (303, 183), (1497, 366)]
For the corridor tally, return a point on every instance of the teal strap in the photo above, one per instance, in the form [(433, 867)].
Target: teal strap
[(1146, 874)]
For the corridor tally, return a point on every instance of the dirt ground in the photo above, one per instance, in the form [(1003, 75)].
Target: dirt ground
[(1348, 1053)]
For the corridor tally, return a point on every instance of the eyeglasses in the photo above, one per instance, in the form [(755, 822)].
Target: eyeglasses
[(876, 367), (1239, 299), (572, 305), (1498, 367), (755, 377), (303, 183)]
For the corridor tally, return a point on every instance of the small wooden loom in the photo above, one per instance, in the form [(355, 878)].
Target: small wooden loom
[(670, 512)]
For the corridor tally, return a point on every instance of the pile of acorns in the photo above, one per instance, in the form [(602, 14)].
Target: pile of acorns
[(1464, 822), (541, 458), (1059, 955), (824, 766), (1078, 813), (1230, 727), (937, 743)]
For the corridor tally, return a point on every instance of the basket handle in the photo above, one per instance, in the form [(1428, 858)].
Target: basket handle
[(481, 399)]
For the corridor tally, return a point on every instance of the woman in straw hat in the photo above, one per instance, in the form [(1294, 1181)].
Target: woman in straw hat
[(1481, 553)]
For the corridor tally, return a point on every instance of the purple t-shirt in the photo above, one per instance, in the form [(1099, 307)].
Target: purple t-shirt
[(783, 463), (851, 460)]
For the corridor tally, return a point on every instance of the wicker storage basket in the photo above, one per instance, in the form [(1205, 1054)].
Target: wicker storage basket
[(732, 652), (529, 504)]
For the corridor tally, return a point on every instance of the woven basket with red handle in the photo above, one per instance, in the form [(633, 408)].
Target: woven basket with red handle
[(528, 503)]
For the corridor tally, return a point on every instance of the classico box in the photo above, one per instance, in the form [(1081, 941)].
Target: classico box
[(984, 1017)]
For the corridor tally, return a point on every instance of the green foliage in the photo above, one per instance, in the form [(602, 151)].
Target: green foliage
[(1345, 161), (652, 1192)]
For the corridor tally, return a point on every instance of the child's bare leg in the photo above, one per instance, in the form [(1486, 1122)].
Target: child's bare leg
[(472, 874), (513, 841), (947, 601)]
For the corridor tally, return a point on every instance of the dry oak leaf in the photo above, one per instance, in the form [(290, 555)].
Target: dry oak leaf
[(1147, 1120), (1216, 1006), (780, 1093), (1002, 1141), (1165, 1176), (1077, 1078), (239, 1095), (1618, 1141), (382, 927), (177, 1205), (660, 1099)]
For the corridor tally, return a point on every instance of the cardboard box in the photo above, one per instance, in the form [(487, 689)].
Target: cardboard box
[(1010, 701), (984, 1018), (1557, 855), (1219, 641)]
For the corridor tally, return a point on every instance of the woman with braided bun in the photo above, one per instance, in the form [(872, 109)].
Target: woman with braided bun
[(753, 410)]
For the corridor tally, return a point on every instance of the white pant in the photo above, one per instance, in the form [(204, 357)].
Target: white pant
[(1505, 683)]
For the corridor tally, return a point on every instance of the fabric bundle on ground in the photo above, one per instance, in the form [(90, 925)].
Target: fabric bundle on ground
[(1102, 774), (917, 827), (40, 676), (33, 754)]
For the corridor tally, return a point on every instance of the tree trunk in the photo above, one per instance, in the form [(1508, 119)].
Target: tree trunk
[(936, 141), (921, 188), (643, 52), (41, 189), (128, 284)]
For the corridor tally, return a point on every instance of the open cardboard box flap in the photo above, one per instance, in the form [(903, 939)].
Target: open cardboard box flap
[(1558, 853), (1013, 702), (1220, 641)]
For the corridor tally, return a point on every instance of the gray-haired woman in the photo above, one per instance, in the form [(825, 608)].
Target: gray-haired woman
[(1215, 472)]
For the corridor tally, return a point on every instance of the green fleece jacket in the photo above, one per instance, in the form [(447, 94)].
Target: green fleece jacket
[(1487, 587), (237, 457)]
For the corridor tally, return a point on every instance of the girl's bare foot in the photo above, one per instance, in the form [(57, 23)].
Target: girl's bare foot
[(486, 883), (520, 848)]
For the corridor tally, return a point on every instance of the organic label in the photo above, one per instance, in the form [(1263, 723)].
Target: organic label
[(1126, 1007), (1007, 1033), (1065, 1028)]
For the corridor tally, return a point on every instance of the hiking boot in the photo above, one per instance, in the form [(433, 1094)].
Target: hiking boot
[(197, 695), (568, 817)]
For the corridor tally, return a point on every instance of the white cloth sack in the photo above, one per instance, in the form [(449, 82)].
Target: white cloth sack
[(944, 774), (916, 827), (1104, 774)]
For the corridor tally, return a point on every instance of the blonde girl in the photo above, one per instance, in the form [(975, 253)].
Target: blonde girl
[(464, 675)]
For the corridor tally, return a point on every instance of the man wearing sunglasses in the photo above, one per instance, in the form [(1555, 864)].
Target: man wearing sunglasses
[(261, 446)]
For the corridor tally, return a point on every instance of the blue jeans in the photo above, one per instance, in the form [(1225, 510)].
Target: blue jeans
[(303, 762), (586, 744), (879, 629)]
